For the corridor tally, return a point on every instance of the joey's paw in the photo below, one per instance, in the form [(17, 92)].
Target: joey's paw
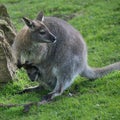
[(27, 63)]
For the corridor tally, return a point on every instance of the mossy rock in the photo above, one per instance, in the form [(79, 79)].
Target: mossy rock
[(7, 32)]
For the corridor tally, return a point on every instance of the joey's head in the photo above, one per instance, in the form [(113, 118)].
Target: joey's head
[(39, 32)]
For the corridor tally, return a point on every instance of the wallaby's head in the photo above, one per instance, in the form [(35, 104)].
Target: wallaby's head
[(39, 32)]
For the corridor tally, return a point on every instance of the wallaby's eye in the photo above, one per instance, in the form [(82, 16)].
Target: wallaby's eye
[(42, 31)]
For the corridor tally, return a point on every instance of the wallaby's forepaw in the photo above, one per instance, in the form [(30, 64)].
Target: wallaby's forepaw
[(27, 64)]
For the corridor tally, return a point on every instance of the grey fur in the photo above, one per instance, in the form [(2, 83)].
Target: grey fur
[(59, 63)]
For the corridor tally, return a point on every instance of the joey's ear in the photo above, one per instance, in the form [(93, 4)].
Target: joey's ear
[(40, 16), (28, 22)]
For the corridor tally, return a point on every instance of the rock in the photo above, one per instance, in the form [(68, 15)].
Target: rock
[(7, 35)]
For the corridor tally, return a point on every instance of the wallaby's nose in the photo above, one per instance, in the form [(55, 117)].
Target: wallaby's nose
[(53, 38)]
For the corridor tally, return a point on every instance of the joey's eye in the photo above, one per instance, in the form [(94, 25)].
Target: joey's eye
[(42, 31)]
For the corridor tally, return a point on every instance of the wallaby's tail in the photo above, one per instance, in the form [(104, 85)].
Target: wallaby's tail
[(94, 73)]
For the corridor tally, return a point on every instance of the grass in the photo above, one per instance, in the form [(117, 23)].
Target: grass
[(99, 23)]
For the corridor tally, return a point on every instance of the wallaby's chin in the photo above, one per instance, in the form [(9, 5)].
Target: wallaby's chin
[(44, 41), (48, 41)]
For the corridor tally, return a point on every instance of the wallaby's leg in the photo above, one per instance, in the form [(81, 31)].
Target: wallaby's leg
[(31, 89), (63, 82), (65, 76)]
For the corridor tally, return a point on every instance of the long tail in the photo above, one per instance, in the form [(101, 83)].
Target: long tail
[(94, 73)]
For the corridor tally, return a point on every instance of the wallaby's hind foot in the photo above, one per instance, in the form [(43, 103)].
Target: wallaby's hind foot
[(47, 97)]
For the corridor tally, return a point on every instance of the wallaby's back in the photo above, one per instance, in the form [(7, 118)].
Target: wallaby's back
[(69, 41)]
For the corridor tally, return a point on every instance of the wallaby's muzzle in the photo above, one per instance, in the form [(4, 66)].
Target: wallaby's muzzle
[(52, 38)]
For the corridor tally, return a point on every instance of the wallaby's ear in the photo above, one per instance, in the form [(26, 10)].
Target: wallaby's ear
[(40, 16), (28, 22)]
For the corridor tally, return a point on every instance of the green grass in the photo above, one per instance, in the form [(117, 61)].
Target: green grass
[(99, 23)]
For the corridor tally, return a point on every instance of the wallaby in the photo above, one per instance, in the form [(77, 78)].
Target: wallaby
[(58, 51)]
